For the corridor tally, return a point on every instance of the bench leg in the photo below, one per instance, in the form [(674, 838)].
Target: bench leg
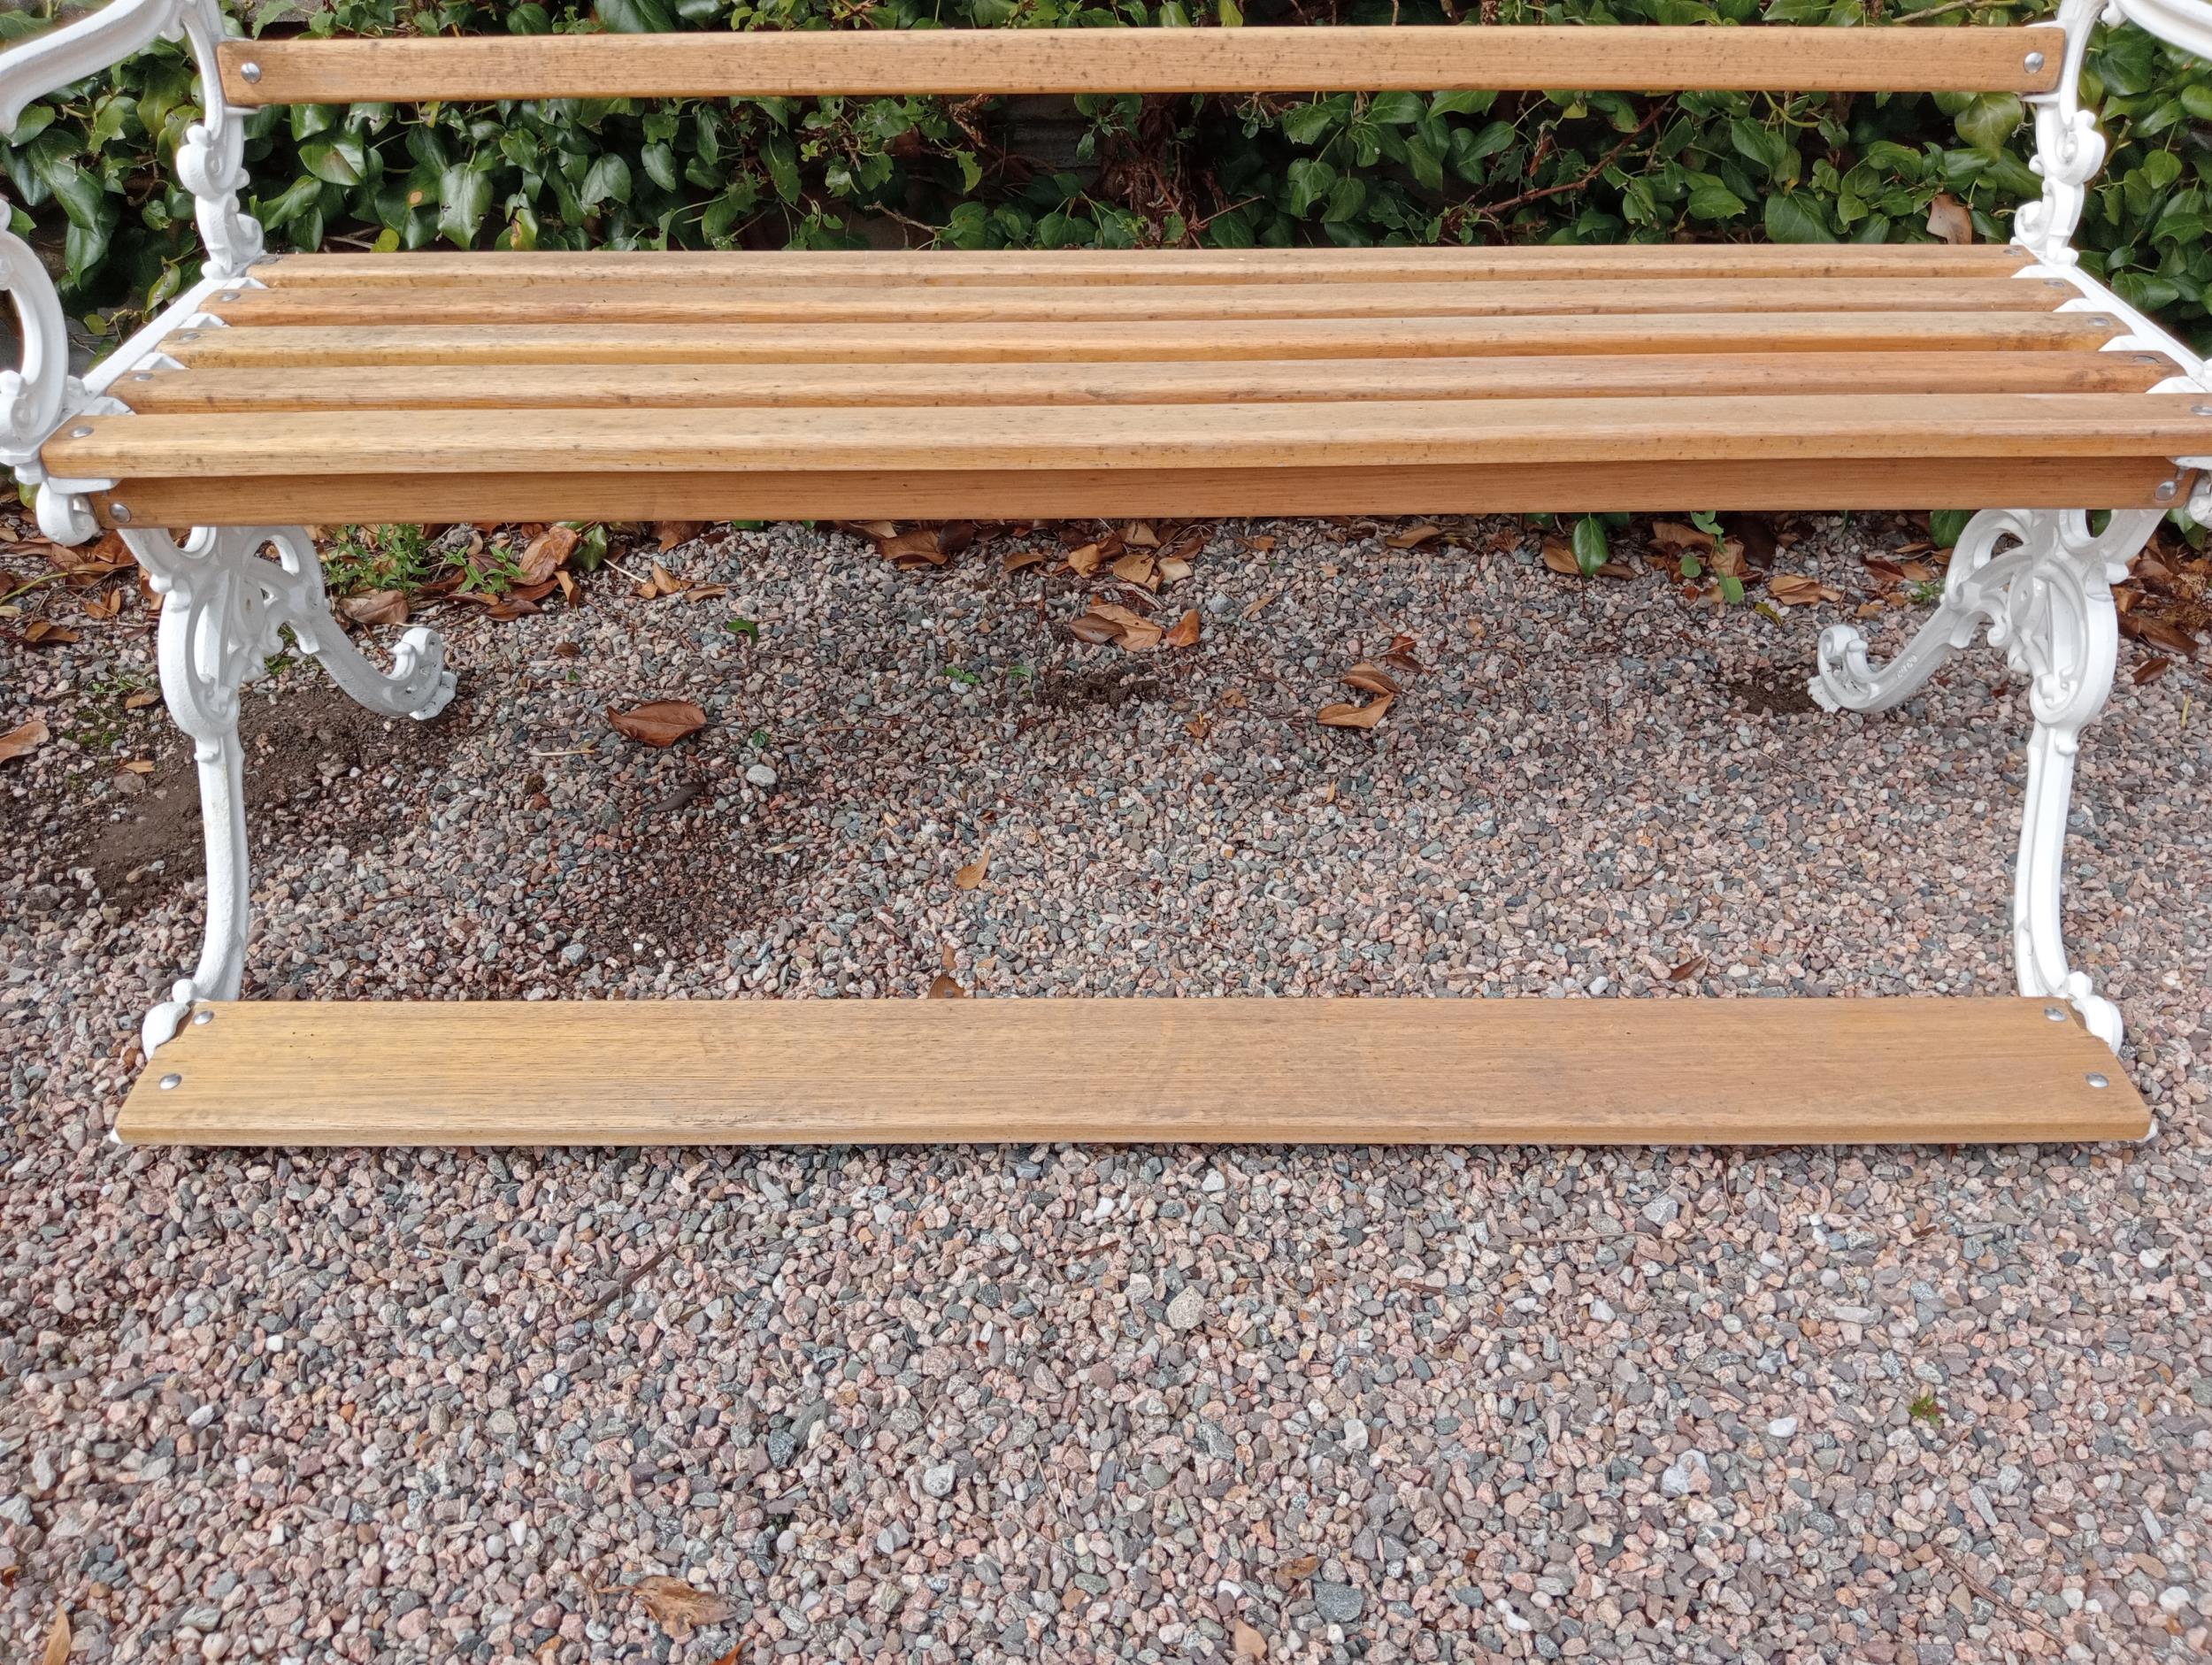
[(228, 594), (2045, 598)]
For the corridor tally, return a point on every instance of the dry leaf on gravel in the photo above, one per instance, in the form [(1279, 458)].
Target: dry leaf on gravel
[(1690, 967), (1297, 1567), (377, 607), (669, 533), (139, 702), (1356, 716), (1021, 560), (139, 766), (2158, 632), (17, 742), (676, 1606), (547, 553), (1173, 569), (1091, 628), (1948, 219), (1799, 589), (58, 1638), (945, 986), (1413, 537), (659, 722), (43, 633), (1560, 557), (1086, 560), (1677, 535), (105, 604), (968, 876), (1185, 634), (2146, 673), (1246, 1642), (1137, 567), (1370, 677), (1138, 534)]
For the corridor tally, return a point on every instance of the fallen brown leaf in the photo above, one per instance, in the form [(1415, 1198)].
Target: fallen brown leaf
[(1091, 628), (2146, 673), (1679, 534), (919, 547), (704, 592), (1614, 569), (945, 986), (546, 552), (105, 604), (1137, 567), (1259, 605), (1261, 544), (659, 722), (1184, 634), (58, 1638), (1799, 589), (20, 741), (1690, 967), (139, 702), (1413, 537), (1086, 560), (1356, 716), (1370, 677), (1173, 569), (1138, 534), (2160, 633), (377, 607), (669, 533), (677, 1605), (139, 766), (1948, 218), (1886, 571), (571, 591), (1246, 1642), (1298, 1567), (1199, 726), (43, 633), (968, 876), (1022, 560), (1559, 555)]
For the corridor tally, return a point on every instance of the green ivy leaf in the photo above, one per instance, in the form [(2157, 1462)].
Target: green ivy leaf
[(464, 195), (1791, 218), (1988, 121), (1591, 548)]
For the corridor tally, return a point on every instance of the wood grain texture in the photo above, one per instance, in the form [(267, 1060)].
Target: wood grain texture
[(656, 300), (1051, 494), (1637, 58), (1440, 432), (955, 268), (1303, 1071), (537, 386), (1156, 340)]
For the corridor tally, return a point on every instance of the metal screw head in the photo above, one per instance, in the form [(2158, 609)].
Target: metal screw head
[(121, 512), (2096, 1080), (2200, 409), (81, 434), (203, 1016), (189, 335), (2165, 492), (2034, 62), (2057, 1013), (251, 73), (144, 375), (170, 1081), (231, 295)]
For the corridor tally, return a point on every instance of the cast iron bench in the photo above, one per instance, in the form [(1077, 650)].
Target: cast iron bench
[(281, 390)]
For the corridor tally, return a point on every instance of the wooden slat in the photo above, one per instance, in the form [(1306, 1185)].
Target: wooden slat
[(1436, 432), (518, 386), (937, 268), (1164, 340), (1301, 1071), (1639, 58), (648, 301), (1826, 483)]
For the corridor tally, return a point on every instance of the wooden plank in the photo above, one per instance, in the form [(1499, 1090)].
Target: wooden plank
[(2139, 482), (1639, 58), (529, 386), (1284, 435), (646, 301), (220, 347), (1267, 1072), (935, 268)]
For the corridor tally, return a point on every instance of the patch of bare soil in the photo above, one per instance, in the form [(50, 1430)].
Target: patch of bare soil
[(1772, 693), (296, 746)]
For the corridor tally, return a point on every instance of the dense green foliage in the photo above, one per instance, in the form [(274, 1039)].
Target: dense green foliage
[(92, 166)]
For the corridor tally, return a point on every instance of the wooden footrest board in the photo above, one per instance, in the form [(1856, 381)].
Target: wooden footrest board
[(1303, 1071)]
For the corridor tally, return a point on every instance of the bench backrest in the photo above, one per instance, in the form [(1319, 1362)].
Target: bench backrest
[(1436, 58)]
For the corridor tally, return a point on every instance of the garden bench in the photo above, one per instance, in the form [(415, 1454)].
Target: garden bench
[(281, 390)]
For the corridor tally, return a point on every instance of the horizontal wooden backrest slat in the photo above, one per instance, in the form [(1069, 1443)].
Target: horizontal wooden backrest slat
[(1632, 58)]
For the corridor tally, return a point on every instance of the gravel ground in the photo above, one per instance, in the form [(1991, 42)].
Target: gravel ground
[(1075, 1404)]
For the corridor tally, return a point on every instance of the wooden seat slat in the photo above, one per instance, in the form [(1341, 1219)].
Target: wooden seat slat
[(1281, 434), (1041, 493), (397, 305), (953, 268), (1645, 58), (1100, 340), (517, 386), (1375, 1071)]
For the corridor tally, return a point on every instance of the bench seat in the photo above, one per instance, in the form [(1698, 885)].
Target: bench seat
[(640, 386)]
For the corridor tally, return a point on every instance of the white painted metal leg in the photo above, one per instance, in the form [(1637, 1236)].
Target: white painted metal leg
[(228, 596), (2046, 599)]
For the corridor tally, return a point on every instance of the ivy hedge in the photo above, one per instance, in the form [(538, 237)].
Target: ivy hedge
[(91, 176)]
